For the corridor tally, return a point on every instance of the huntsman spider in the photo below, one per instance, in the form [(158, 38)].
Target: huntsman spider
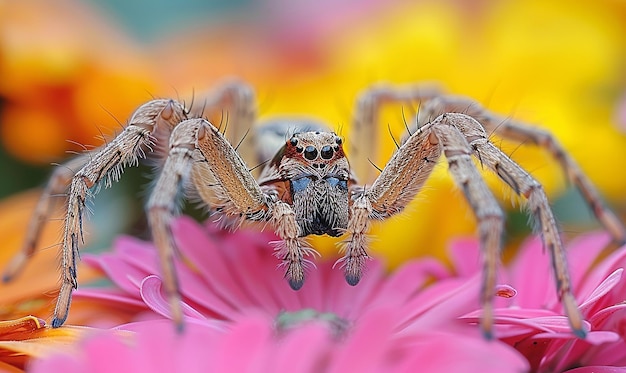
[(309, 188)]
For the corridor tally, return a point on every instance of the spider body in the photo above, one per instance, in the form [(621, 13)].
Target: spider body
[(309, 188), (311, 173)]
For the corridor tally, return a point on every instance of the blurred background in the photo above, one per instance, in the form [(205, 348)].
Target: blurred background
[(73, 70)]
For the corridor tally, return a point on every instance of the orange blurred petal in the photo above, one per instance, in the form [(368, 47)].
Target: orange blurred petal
[(29, 337), (31, 291), (33, 133)]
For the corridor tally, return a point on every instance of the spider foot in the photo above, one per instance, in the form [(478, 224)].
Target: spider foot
[(292, 252), (574, 316), (486, 321), (295, 274), (57, 322), (353, 279), (353, 267)]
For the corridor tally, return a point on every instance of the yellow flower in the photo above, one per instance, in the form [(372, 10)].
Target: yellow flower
[(551, 63)]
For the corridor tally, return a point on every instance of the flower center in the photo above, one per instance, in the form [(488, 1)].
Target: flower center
[(287, 320)]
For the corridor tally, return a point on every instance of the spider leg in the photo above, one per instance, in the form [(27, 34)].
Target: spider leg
[(610, 221), (517, 131), (163, 205), (525, 185), (364, 135), (399, 182), (56, 185), (106, 165), (234, 104), (200, 152), (242, 196), (459, 137), (454, 140), (406, 173)]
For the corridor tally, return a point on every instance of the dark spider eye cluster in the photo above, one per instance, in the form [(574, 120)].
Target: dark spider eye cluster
[(311, 152), (294, 142), (327, 152)]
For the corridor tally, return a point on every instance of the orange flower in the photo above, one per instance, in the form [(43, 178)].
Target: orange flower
[(28, 337), (61, 65), (33, 290)]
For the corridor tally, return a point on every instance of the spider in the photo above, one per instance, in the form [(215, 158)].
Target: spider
[(309, 187)]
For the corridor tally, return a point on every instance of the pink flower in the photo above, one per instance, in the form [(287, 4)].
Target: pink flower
[(253, 345), (533, 321), (244, 315)]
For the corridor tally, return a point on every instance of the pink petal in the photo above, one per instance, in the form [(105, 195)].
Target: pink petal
[(592, 338), (256, 263), (598, 369), (514, 326), (302, 349), (210, 260), (152, 295), (108, 353), (163, 349), (530, 275), (250, 337), (599, 337), (603, 270), (581, 252), (465, 256), (405, 281), (195, 291), (353, 299), (124, 275), (439, 305), (348, 301), (609, 354), (112, 296), (552, 324), (610, 317), (367, 341), (452, 353), (601, 290), (140, 254)]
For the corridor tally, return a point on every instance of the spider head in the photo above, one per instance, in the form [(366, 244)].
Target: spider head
[(311, 173), (317, 149)]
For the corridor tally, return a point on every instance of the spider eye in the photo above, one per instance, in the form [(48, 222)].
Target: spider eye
[(338, 140), (293, 141), (310, 153), (327, 152)]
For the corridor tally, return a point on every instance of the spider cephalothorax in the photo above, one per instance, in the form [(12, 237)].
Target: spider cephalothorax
[(309, 187), (312, 173)]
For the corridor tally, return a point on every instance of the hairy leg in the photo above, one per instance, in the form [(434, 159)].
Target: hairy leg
[(460, 136), (56, 185), (366, 128), (514, 130), (220, 177)]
